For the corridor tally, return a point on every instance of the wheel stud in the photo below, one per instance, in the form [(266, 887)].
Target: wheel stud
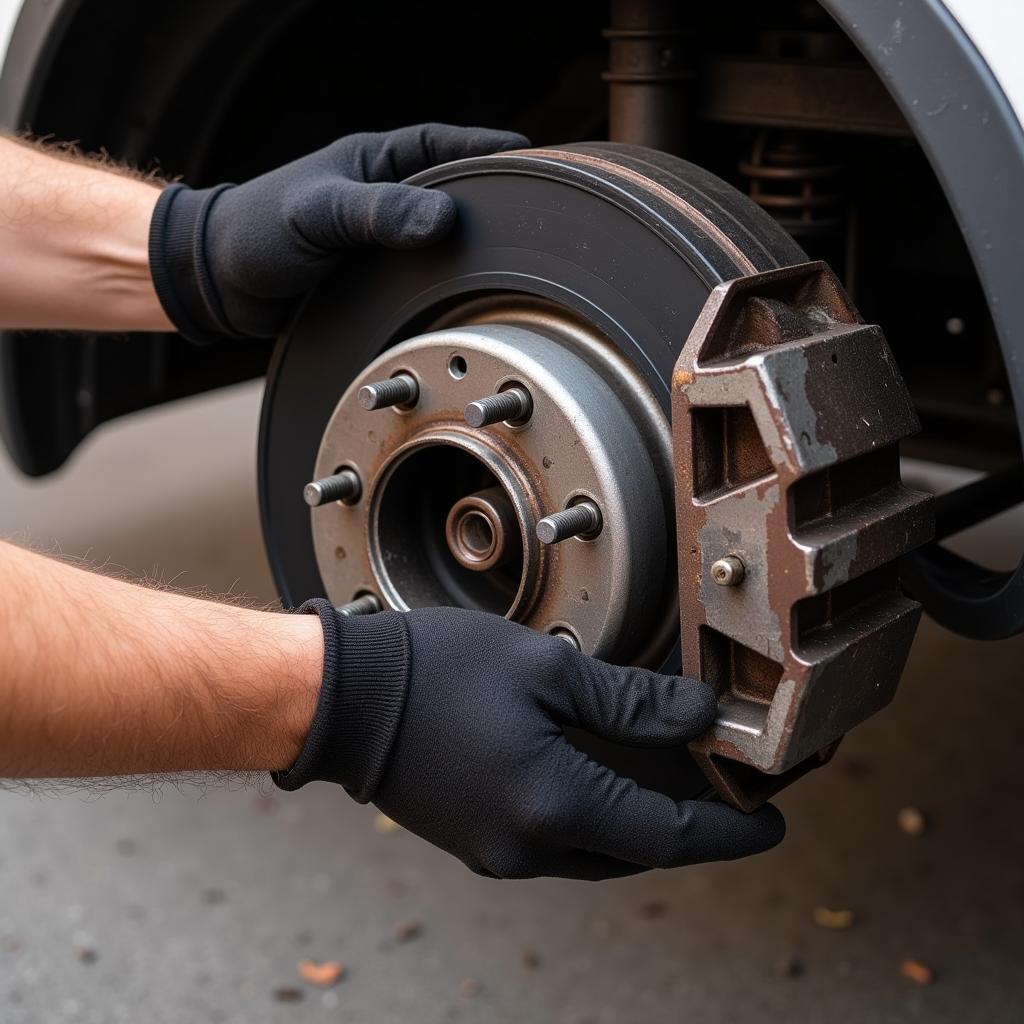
[(402, 390), (512, 406), (365, 605), (564, 634), (580, 520), (343, 486)]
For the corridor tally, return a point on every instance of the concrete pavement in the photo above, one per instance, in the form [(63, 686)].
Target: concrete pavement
[(196, 905)]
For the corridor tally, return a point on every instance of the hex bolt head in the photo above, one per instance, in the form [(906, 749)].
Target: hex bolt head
[(402, 390), (343, 486), (580, 520), (512, 406), (728, 571), (367, 604)]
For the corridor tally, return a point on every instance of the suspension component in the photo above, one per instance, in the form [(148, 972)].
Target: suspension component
[(792, 181), (650, 73)]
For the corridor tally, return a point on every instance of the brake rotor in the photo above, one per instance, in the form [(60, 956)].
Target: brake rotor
[(574, 274)]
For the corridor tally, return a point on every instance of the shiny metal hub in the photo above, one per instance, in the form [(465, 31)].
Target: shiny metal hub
[(449, 510)]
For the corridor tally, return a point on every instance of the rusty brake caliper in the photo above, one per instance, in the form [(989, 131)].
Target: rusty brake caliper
[(787, 415)]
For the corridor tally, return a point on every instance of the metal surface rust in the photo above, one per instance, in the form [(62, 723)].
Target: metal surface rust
[(787, 415), (449, 510)]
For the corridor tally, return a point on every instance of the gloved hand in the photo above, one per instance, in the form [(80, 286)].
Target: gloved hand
[(235, 259), (450, 721)]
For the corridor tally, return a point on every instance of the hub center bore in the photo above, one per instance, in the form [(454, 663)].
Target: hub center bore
[(482, 530), (449, 524)]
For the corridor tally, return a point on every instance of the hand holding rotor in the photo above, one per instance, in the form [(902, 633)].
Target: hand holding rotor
[(234, 260)]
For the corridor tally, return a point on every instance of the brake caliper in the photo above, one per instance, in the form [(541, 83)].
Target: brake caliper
[(787, 415)]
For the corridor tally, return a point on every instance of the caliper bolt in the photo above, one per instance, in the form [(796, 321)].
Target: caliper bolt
[(580, 520), (402, 390), (365, 605), (513, 406), (728, 571), (343, 486)]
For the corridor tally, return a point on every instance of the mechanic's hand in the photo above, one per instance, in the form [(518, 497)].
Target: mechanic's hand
[(451, 722), (234, 260)]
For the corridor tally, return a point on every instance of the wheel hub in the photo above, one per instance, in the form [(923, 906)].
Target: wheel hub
[(448, 511)]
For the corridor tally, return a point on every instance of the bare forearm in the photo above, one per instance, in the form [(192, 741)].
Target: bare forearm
[(74, 245), (99, 677)]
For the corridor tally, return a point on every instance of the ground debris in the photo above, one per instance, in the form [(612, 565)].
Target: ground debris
[(327, 973), (264, 803), (856, 768), (917, 972), (912, 821), (653, 909), (213, 897), (386, 826), (530, 959), (837, 920), (289, 994), (791, 967), (407, 930), (470, 987)]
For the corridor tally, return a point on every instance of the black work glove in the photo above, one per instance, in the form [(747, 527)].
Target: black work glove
[(233, 261), (450, 721)]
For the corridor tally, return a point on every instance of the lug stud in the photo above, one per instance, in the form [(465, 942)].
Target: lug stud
[(401, 390), (365, 605), (567, 635), (580, 520), (512, 406), (343, 486), (728, 571)]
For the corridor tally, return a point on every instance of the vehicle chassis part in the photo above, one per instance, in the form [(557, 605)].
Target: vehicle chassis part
[(787, 414)]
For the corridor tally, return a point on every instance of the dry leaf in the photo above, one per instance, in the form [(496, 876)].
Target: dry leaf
[(530, 959), (834, 919), (328, 973), (912, 821), (407, 930), (654, 909), (914, 970)]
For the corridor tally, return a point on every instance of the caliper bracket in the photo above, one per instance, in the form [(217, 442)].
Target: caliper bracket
[(787, 412)]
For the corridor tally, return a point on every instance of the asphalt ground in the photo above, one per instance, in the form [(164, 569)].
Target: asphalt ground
[(196, 904)]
